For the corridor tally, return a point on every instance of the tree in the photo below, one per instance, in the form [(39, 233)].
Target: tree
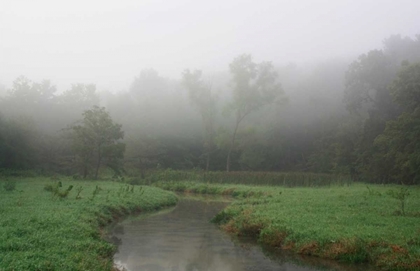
[(97, 140), (201, 96), (406, 88), (31, 93), (31, 99), (367, 82), (370, 105), (80, 96), (399, 146), (254, 86)]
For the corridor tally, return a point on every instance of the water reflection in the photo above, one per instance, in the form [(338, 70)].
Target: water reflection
[(184, 240)]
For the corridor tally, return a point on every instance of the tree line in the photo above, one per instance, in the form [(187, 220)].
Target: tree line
[(355, 117)]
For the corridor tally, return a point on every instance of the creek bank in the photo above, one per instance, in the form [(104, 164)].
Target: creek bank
[(346, 224)]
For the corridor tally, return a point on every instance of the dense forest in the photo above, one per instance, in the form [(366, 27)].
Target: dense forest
[(357, 117)]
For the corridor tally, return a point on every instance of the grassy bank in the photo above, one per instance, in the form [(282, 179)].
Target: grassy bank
[(356, 223), (43, 227)]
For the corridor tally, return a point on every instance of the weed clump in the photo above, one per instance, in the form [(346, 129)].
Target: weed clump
[(95, 192), (79, 190), (56, 191)]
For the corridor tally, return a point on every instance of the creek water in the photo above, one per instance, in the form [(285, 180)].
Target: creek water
[(183, 239)]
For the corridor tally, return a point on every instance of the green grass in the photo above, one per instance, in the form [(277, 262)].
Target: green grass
[(347, 223), (43, 230)]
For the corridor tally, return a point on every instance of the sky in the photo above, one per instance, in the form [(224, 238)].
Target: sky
[(108, 43)]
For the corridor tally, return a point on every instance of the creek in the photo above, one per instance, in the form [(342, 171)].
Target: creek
[(183, 239)]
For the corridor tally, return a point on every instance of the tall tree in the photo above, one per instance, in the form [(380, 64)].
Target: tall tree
[(368, 98), (201, 96), (254, 86), (97, 140), (399, 146), (367, 81)]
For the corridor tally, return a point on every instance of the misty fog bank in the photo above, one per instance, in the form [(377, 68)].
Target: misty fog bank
[(337, 116)]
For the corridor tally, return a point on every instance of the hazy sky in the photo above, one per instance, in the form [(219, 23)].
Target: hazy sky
[(109, 42)]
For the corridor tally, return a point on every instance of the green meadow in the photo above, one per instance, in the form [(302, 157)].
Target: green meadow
[(46, 225), (355, 223), (59, 223)]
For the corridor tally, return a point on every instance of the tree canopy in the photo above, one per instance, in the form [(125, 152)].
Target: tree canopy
[(253, 87), (96, 141)]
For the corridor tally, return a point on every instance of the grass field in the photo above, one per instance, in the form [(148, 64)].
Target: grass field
[(43, 227), (355, 223)]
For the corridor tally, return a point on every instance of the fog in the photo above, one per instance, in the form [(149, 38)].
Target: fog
[(108, 43), (309, 86)]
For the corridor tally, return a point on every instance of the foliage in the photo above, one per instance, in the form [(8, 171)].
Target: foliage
[(369, 97), (406, 88), (32, 114), (357, 120), (399, 146), (366, 83), (37, 233), (28, 98), (56, 191), (80, 95), (254, 86), (96, 140)]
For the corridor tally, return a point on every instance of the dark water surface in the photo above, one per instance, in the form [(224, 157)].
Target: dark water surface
[(182, 239)]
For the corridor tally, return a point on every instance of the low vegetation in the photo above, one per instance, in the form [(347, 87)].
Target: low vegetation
[(358, 224), (49, 225), (289, 179)]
